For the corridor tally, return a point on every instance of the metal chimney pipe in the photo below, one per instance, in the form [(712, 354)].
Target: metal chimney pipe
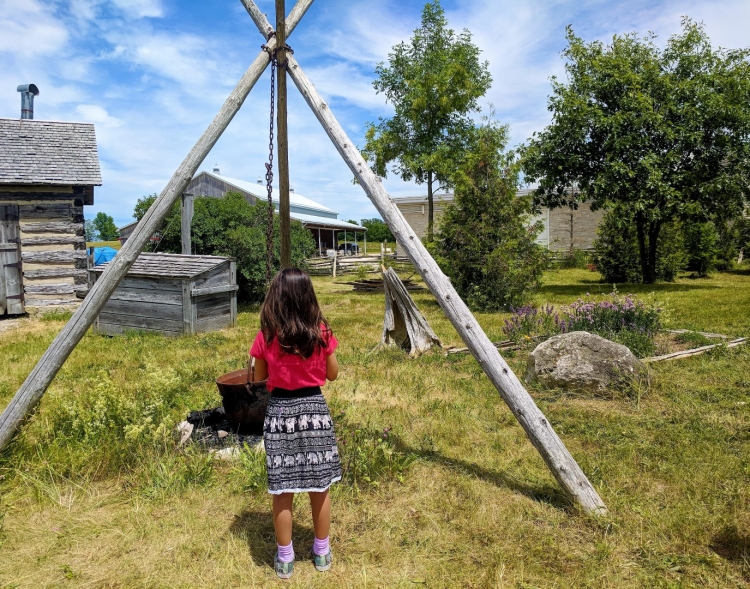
[(28, 91)]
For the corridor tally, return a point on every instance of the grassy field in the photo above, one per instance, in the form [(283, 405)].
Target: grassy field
[(94, 493)]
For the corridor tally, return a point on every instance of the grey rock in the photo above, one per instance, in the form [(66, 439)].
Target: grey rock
[(584, 362)]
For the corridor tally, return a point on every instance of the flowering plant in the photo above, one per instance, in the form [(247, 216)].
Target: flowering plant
[(621, 318)]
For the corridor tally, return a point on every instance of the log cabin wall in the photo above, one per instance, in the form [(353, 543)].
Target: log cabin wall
[(53, 247)]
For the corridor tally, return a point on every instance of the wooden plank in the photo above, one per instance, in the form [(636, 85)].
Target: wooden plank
[(57, 273), (16, 196), (189, 310), (144, 283), (541, 434), (216, 277), (53, 256), (201, 292), (53, 227), (139, 322), (51, 211), (52, 302), (145, 295), (214, 323), (12, 278), (703, 333), (55, 289), (695, 351), (223, 308), (57, 240), (116, 329), (141, 309), (186, 220)]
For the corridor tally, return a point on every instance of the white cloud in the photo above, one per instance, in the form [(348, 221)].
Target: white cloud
[(27, 27), (93, 113), (141, 8)]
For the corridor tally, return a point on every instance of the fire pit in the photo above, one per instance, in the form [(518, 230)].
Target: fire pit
[(239, 421)]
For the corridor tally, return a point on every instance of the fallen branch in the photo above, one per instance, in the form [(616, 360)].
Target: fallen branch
[(695, 351)]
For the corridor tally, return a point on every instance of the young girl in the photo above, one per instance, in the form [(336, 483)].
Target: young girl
[(295, 349)]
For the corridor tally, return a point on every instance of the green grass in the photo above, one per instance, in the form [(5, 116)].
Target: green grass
[(116, 244), (94, 493)]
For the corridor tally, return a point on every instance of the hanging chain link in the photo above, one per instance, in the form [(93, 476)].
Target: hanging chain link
[(269, 165), (269, 176)]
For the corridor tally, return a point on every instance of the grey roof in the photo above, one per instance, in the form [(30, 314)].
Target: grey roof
[(170, 265), (48, 152)]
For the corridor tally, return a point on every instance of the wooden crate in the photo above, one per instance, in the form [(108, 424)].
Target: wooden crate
[(171, 294)]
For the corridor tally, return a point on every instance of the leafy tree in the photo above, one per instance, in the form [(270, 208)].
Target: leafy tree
[(485, 243), (105, 227), (229, 226), (433, 83), (377, 230), (662, 133), (90, 231)]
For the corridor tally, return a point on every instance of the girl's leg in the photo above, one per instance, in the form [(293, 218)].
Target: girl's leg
[(282, 518), (321, 513)]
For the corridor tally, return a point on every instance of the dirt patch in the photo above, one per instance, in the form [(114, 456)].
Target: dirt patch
[(13, 323)]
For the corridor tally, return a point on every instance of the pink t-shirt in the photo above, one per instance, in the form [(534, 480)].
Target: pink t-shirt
[(289, 371)]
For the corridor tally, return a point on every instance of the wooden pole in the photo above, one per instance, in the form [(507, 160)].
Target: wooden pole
[(32, 389), (282, 146), (186, 219), (540, 432)]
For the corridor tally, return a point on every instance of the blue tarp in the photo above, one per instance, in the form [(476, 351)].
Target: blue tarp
[(102, 255)]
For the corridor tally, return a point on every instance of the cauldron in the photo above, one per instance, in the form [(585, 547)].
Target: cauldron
[(245, 400)]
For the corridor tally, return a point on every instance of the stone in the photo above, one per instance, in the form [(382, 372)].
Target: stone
[(584, 362)]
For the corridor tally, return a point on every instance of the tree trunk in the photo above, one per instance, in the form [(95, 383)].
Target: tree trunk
[(653, 240), (430, 207)]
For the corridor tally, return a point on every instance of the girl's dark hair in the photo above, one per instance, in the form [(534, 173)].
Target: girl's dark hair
[(291, 313)]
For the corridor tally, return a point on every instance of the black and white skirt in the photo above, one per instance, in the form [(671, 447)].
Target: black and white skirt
[(301, 452)]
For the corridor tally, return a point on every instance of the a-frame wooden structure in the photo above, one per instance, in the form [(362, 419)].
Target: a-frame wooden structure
[(540, 432)]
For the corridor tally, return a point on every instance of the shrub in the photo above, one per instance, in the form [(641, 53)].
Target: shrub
[(622, 319), (575, 258), (701, 246), (485, 243)]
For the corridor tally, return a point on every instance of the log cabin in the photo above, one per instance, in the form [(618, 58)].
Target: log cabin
[(48, 171)]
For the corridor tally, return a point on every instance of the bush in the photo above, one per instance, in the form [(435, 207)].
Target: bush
[(485, 243), (701, 246), (575, 258), (616, 253), (622, 319)]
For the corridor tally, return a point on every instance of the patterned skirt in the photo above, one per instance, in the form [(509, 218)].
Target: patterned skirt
[(301, 452)]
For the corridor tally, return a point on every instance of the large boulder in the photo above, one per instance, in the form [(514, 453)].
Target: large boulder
[(585, 362)]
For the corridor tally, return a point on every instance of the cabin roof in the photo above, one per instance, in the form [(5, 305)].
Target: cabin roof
[(170, 265), (48, 152)]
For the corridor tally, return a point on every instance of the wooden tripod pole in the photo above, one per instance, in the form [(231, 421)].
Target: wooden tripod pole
[(36, 383), (282, 145), (537, 428)]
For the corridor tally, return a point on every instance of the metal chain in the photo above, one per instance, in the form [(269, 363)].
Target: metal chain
[(269, 177)]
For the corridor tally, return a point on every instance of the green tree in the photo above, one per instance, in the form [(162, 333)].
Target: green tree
[(433, 83), (105, 227), (661, 133), (377, 230), (90, 231), (229, 226), (485, 242)]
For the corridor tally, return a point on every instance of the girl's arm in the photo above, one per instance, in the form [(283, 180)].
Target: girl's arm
[(332, 367), (261, 369)]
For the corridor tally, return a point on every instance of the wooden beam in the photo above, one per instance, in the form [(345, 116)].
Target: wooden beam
[(537, 427), (186, 220), (282, 142), (32, 389)]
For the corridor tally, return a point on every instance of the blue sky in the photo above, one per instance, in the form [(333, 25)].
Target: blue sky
[(151, 74)]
